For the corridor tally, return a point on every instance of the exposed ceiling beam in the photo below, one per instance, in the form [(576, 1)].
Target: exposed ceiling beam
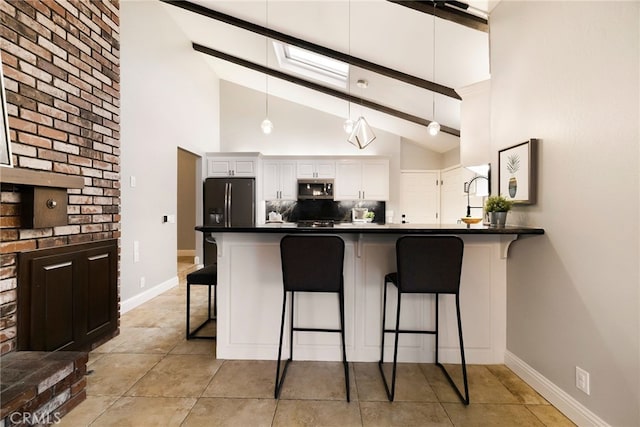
[(320, 88), (276, 35), (448, 13)]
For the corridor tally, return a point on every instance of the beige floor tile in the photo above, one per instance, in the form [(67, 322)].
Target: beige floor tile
[(411, 383), (316, 413), (243, 378), (114, 374), (368, 382), (143, 317), (550, 416), (146, 411), (491, 415), (403, 414), (521, 390), (93, 357), (184, 346), (87, 411), (211, 412), (484, 387), (177, 376), (317, 381), (111, 344), (148, 340)]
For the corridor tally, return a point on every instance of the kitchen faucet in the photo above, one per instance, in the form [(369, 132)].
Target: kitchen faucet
[(467, 187)]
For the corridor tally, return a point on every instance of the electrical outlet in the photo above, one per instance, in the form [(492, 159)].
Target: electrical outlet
[(143, 282), (582, 380)]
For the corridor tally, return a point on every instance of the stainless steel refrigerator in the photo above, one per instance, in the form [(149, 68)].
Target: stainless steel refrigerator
[(228, 202)]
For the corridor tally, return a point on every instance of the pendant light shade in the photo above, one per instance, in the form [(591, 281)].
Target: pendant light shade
[(348, 126), (434, 128), (266, 126), (362, 134)]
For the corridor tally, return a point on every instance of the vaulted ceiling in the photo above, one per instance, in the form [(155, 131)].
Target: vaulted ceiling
[(413, 69)]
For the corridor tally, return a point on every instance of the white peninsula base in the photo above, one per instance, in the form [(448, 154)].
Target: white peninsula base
[(250, 303)]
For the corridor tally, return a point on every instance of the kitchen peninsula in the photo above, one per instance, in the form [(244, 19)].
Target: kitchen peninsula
[(250, 294)]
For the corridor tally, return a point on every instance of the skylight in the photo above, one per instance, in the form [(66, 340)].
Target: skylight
[(311, 64)]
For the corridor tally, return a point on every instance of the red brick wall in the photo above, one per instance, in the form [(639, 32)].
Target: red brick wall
[(61, 68)]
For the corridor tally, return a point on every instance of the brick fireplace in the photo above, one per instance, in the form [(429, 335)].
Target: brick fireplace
[(61, 69)]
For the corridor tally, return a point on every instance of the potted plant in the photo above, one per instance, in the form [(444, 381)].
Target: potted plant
[(497, 207), (369, 216)]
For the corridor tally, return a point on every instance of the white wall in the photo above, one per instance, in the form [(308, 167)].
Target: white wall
[(169, 99), (417, 157), (568, 73)]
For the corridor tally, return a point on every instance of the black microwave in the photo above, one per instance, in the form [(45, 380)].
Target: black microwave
[(315, 189)]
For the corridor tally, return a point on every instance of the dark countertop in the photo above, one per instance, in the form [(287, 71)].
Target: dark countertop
[(349, 228)]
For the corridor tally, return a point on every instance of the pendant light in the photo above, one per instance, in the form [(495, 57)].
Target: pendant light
[(434, 126), (266, 125), (362, 134), (348, 124)]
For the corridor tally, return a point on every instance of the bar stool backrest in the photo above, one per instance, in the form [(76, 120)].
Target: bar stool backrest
[(429, 264), (312, 263)]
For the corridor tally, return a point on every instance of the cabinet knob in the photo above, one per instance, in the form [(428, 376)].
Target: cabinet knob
[(51, 204)]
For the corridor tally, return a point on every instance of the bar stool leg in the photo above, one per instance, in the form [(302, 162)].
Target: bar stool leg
[(279, 381), (188, 307), (465, 397), (344, 350), (209, 305), (390, 391)]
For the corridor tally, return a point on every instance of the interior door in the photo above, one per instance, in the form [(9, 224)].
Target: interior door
[(420, 197)]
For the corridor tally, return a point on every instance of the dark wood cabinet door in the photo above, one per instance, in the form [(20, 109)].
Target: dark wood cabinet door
[(55, 279), (68, 296), (100, 292)]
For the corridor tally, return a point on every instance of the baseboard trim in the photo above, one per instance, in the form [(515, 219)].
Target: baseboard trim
[(147, 295), (566, 404), (186, 252)]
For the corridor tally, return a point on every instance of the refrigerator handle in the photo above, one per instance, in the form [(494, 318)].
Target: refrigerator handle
[(227, 200)]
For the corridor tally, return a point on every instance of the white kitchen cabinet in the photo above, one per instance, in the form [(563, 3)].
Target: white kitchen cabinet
[(222, 166), (362, 179), (309, 169), (278, 180)]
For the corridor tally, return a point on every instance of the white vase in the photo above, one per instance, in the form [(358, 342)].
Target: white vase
[(497, 219)]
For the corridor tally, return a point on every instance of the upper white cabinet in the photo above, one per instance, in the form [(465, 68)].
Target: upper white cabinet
[(362, 179), (240, 166), (309, 169), (279, 179)]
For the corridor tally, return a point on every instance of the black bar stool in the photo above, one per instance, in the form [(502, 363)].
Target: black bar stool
[(207, 276), (426, 265), (311, 264)]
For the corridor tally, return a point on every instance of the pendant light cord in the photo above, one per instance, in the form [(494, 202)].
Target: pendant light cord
[(266, 61), (349, 72), (433, 74)]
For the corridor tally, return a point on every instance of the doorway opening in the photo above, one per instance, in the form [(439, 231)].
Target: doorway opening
[(186, 209)]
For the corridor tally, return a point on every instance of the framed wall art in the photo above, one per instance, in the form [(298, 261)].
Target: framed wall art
[(517, 172), (5, 146)]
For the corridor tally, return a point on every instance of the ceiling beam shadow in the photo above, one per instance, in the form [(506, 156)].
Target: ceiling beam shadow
[(276, 35), (445, 12), (319, 88)]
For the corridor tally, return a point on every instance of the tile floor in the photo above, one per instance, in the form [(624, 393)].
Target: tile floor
[(151, 376)]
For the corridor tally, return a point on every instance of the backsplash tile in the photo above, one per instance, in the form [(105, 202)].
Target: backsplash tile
[(293, 211)]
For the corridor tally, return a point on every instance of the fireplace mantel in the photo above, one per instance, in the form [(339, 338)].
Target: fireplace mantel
[(35, 178)]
